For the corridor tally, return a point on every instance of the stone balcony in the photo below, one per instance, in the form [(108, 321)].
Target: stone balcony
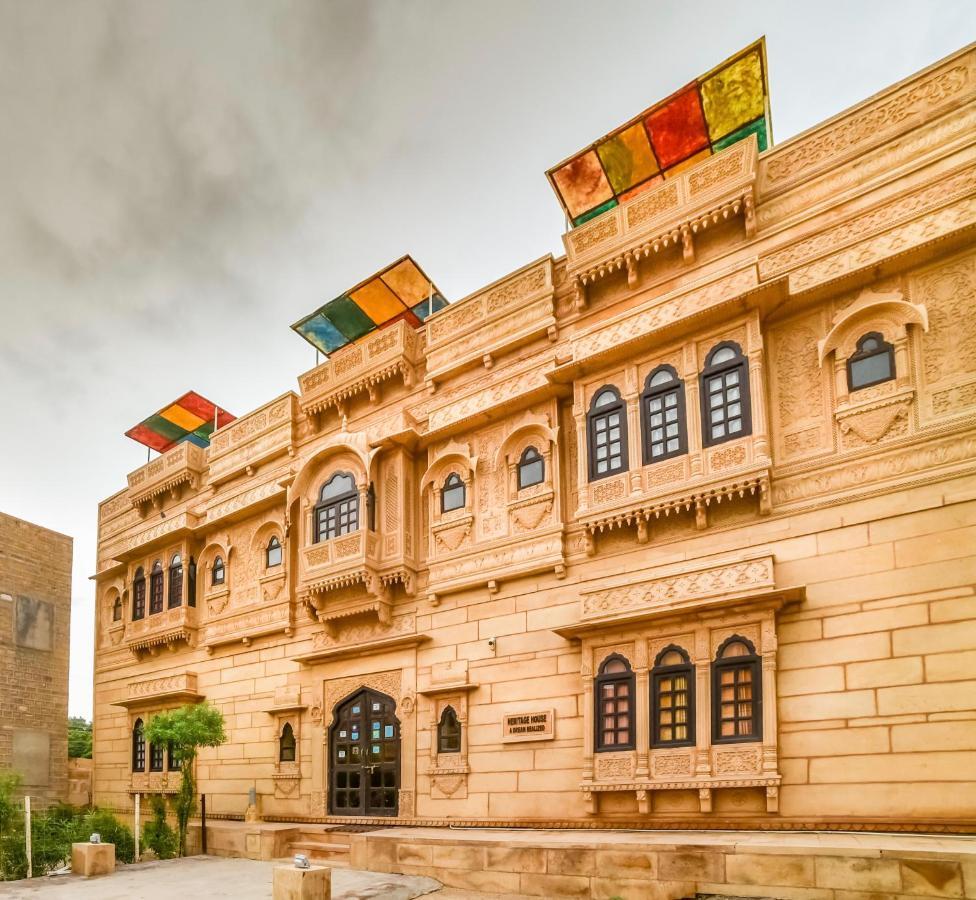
[(178, 468), (340, 579), (514, 310), (252, 440), (362, 368), (163, 630), (669, 215), (170, 689)]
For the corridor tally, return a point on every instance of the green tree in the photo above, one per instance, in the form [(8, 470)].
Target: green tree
[(186, 730), (79, 738)]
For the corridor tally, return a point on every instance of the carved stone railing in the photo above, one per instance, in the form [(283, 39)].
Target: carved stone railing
[(162, 630), (252, 439), (514, 310), (362, 367), (340, 578), (671, 214), (248, 624), (179, 688), (182, 465), (161, 531)]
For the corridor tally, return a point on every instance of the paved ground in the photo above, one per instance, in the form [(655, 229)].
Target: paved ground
[(211, 877)]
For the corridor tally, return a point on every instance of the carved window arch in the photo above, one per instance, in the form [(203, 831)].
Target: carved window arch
[(872, 362), (337, 511), (736, 692), (616, 724), (156, 588), (453, 493), (287, 745), (663, 416), (531, 468), (117, 609), (273, 553), (139, 595), (218, 572), (138, 747), (725, 395), (673, 699), (175, 581), (606, 433), (449, 732)]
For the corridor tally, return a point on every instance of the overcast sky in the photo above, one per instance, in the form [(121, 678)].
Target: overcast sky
[(179, 181)]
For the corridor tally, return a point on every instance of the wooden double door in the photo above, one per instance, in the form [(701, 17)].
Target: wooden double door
[(364, 756)]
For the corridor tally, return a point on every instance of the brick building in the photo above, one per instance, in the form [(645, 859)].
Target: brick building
[(674, 530), (35, 622)]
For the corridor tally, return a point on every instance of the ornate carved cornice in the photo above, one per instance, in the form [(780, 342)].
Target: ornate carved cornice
[(154, 691), (166, 629)]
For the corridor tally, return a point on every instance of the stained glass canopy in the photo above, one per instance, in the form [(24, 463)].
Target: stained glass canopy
[(190, 418), (717, 109), (400, 291)]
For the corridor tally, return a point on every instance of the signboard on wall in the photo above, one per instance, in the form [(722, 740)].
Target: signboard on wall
[(529, 726)]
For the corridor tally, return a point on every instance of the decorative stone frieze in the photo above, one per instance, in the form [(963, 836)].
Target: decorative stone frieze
[(247, 625), (183, 465), (153, 692), (253, 440), (362, 368)]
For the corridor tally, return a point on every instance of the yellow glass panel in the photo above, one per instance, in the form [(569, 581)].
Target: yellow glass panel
[(728, 676), (407, 282), (666, 734), (681, 715), (185, 419), (734, 96), (681, 682), (681, 733), (728, 728), (377, 301)]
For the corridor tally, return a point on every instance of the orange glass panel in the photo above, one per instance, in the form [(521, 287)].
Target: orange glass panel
[(678, 128), (583, 184)]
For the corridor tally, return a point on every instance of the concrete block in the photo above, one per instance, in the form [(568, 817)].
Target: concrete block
[(290, 883), (92, 859)]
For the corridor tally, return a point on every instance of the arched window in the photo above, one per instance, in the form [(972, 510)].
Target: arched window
[(172, 760), (218, 573), (607, 434), (453, 494), (663, 415), (725, 395), (736, 692), (139, 595), (156, 588), (157, 753), (337, 511), (615, 725), (191, 583), (272, 555), (286, 744), (175, 581), (672, 699), (531, 468), (449, 732), (138, 747), (117, 610), (872, 362)]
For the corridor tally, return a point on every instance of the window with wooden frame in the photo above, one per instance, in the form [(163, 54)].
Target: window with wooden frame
[(176, 581), (287, 746), (172, 762), (218, 573), (871, 363), (117, 610), (191, 583), (606, 431), (272, 553), (531, 468), (139, 595), (736, 692), (138, 747), (725, 395), (156, 588), (337, 511), (449, 732), (663, 416), (614, 698), (453, 493), (157, 755), (672, 699)]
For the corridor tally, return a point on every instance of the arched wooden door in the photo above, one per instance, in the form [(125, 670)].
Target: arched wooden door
[(364, 756)]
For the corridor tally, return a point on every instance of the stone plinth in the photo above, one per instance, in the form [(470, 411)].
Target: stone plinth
[(302, 884), (92, 859)]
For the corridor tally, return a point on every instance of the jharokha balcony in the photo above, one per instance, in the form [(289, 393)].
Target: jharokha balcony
[(164, 630), (177, 469)]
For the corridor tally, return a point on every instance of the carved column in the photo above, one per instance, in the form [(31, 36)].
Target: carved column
[(582, 457), (634, 438), (757, 384), (769, 761), (692, 410), (642, 710), (703, 704), (586, 672)]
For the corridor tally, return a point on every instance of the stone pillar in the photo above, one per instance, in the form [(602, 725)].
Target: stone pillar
[(582, 460), (769, 723), (757, 392), (703, 704), (588, 717), (692, 412), (643, 713), (634, 439)]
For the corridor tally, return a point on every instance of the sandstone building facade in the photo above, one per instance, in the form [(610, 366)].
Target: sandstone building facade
[(35, 623), (676, 529)]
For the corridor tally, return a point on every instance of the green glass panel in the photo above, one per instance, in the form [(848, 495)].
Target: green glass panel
[(757, 128), (165, 427), (348, 318), (593, 213)]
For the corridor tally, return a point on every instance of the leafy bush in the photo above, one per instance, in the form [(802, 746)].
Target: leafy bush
[(53, 831), (79, 738), (157, 834)]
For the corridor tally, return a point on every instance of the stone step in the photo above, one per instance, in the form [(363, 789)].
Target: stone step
[(320, 846)]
